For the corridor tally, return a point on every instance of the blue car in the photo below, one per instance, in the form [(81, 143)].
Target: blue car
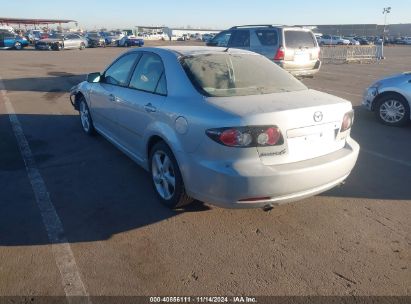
[(130, 41), (10, 40)]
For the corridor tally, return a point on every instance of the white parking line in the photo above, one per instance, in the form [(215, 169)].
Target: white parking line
[(398, 161), (63, 255)]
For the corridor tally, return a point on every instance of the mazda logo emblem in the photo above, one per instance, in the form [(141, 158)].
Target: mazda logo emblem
[(318, 116)]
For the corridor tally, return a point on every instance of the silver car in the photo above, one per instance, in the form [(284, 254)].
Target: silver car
[(390, 99), (60, 42), (227, 127)]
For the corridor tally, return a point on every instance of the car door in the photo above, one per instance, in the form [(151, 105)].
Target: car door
[(70, 42), (140, 106), (9, 40), (240, 39), (268, 42), (2, 37), (105, 94), (76, 41)]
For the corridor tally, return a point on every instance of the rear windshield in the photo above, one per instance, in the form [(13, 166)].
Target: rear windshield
[(299, 39), (227, 74)]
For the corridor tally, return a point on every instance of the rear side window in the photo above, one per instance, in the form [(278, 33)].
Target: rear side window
[(148, 75), (299, 39), (240, 39), (267, 37)]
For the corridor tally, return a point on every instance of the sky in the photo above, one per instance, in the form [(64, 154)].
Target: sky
[(215, 14)]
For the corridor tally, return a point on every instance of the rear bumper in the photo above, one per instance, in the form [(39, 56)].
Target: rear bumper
[(231, 186), (300, 70)]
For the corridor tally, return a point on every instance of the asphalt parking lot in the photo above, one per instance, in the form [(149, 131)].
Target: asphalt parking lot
[(352, 240)]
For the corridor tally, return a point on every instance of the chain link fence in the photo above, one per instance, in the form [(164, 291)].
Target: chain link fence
[(351, 53)]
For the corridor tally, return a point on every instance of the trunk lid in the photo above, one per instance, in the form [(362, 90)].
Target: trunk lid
[(309, 121)]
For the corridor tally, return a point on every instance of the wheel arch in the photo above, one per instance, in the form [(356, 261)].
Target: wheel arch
[(75, 97), (384, 94), (170, 139)]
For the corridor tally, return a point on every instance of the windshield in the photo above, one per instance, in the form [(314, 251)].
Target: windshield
[(94, 35), (227, 74)]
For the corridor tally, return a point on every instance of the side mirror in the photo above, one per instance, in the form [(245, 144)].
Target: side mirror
[(93, 77)]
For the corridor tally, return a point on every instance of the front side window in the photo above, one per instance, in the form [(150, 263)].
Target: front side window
[(148, 75), (118, 73), (231, 74), (221, 39)]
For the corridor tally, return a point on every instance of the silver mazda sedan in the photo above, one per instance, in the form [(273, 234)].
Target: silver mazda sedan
[(224, 126)]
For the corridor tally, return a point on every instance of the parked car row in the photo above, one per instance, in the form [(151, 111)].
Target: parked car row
[(347, 40), (58, 42)]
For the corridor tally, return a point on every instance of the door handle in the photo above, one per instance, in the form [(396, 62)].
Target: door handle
[(150, 108), (112, 97)]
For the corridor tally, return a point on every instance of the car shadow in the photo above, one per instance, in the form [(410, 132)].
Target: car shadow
[(96, 190), (57, 82), (383, 168), (99, 192)]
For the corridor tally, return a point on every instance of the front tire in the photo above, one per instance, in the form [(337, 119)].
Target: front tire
[(393, 110), (57, 47), (82, 46), (85, 117), (166, 177)]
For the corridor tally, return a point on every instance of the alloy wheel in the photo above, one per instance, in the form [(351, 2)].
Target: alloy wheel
[(85, 117), (392, 111), (163, 175)]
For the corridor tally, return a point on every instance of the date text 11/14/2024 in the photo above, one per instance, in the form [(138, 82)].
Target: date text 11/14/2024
[(203, 299)]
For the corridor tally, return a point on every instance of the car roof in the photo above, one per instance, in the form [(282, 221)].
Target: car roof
[(269, 26)]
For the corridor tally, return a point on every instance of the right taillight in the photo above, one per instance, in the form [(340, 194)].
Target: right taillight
[(280, 54), (347, 122), (243, 137)]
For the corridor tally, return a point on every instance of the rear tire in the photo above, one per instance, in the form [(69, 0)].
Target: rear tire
[(393, 110), (166, 177)]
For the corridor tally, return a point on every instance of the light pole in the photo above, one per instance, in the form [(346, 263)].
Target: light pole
[(385, 12)]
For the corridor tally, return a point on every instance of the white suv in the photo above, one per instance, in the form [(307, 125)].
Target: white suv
[(293, 48)]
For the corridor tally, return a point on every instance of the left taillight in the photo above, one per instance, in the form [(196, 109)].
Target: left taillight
[(348, 121), (244, 137)]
